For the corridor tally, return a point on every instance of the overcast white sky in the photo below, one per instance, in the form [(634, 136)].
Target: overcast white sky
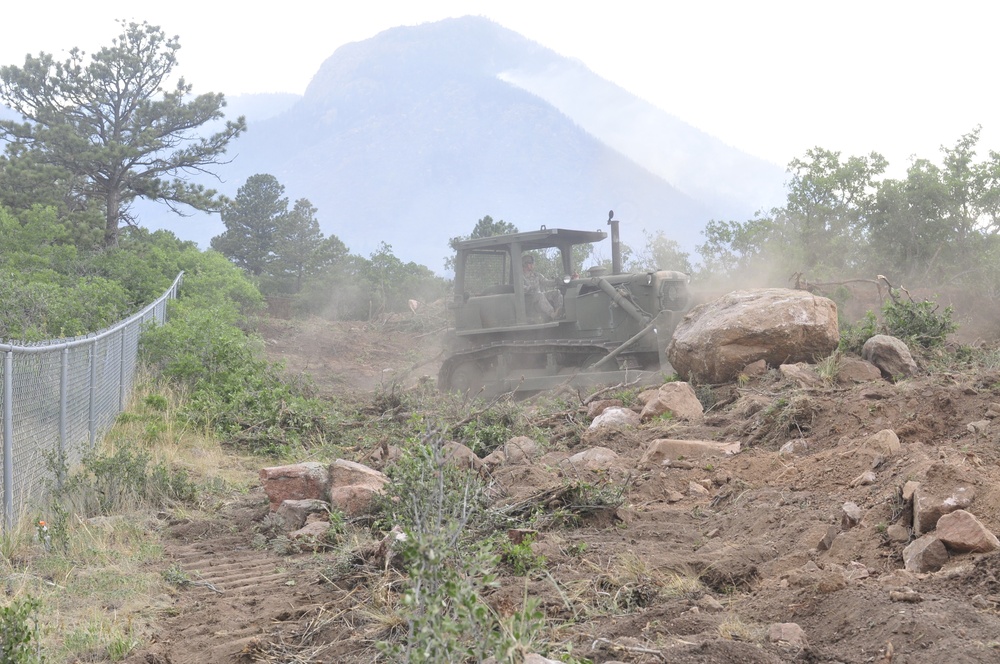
[(772, 78)]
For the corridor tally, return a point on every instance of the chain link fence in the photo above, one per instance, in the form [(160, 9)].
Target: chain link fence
[(60, 396)]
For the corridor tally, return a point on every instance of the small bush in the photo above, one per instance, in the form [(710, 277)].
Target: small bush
[(915, 322), (19, 633), (918, 322), (853, 337)]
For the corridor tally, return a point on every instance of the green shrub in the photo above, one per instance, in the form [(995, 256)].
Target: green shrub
[(113, 482), (492, 428), (449, 565), (232, 388), (19, 634), (918, 322), (914, 322), (853, 337)]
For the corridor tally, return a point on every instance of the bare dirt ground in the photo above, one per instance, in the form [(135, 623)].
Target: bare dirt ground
[(678, 573)]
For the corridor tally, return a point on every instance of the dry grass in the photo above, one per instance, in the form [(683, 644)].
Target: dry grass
[(97, 581)]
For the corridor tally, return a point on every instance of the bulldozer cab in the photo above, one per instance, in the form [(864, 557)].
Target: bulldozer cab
[(489, 288)]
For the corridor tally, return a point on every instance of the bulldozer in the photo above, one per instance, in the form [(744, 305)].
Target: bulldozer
[(610, 327)]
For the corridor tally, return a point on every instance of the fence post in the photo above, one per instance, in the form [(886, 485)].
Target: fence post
[(8, 441), (63, 397), (121, 373), (93, 393)]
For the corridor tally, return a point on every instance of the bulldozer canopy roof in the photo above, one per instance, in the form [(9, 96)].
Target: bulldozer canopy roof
[(540, 239)]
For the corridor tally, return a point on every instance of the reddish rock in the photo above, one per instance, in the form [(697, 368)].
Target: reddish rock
[(928, 507), (595, 408), (800, 373), (461, 457), (663, 449), (787, 633), (852, 370), (353, 500), (884, 442), (890, 355), (962, 532), (925, 554), (349, 473), (676, 398), (517, 451), (851, 516), (314, 531), (299, 481)]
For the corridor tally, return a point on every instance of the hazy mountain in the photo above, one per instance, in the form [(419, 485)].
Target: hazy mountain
[(411, 136)]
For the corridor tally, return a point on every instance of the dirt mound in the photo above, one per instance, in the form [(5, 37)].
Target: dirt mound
[(701, 562)]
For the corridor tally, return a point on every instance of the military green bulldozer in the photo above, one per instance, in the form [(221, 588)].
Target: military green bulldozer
[(608, 327)]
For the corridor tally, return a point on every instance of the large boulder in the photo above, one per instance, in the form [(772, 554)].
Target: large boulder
[(716, 340)]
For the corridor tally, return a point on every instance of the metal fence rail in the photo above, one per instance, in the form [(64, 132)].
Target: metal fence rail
[(60, 396)]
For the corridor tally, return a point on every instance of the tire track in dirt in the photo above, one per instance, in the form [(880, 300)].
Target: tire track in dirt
[(232, 600)]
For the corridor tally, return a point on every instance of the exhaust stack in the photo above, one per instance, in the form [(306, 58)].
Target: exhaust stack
[(616, 246)]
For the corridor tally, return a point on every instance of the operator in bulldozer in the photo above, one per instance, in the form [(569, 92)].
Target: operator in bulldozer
[(548, 304)]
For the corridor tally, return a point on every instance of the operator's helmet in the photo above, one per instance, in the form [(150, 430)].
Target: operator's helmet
[(527, 259)]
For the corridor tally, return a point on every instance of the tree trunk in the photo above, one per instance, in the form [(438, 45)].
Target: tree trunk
[(112, 210)]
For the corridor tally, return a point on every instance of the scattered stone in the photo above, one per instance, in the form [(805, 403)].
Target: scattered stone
[(978, 428), (885, 443), (716, 340), (596, 458), (830, 581), (354, 500), (676, 398), (925, 554), (534, 658), (981, 602), (710, 604), (617, 418), (314, 531), (800, 373), (461, 457), (928, 508), (787, 634), (670, 449), (851, 516), (795, 447), (864, 479), (905, 595), (898, 533), (890, 355), (853, 370), (386, 454), (827, 541), (299, 481), (595, 408), (897, 578), (293, 513), (962, 532), (696, 489), (909, 489), (520, 450), (856, 571)]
